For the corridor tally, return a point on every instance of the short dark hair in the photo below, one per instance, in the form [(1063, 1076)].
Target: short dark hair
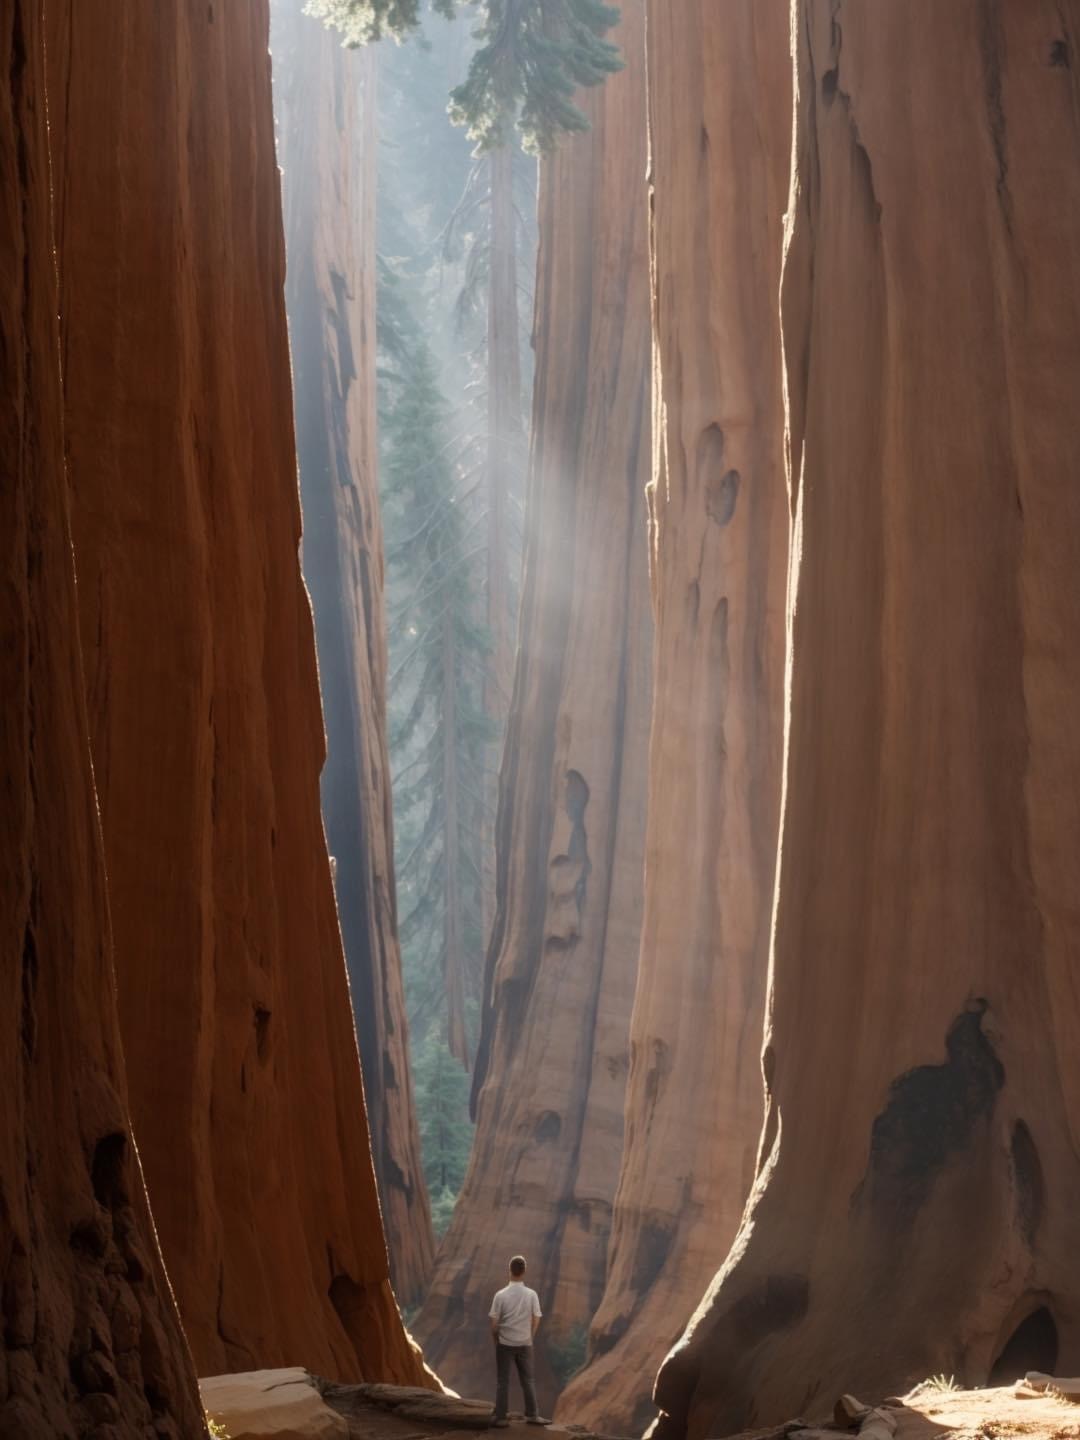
[(517, 1266)]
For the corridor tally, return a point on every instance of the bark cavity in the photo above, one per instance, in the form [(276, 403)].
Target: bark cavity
[(777, 1303), (570, 870), (262, 1033), (721, 493), (1029, 1182), (29, 989), (651, 1253), (107, 1170), (1033, 1345), (548, 1127), (932, 1116), (720, 484)]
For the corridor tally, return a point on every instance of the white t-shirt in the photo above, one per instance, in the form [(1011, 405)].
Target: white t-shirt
[(514, 1307)]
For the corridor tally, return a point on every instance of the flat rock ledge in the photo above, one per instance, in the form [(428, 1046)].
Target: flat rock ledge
[(271, 1405)]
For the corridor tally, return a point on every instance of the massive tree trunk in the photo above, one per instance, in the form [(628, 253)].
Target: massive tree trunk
[(325, 103), (719, 97), (204, 711), (90, 1333), (918, 1201), (551, 1069)]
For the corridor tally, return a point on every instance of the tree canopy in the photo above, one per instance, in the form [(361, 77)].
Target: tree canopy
[(531, 57), (361, 21)]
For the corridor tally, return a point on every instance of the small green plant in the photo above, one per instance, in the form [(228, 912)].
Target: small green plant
[(218, 1432), (941, 1383), (567, 1352)]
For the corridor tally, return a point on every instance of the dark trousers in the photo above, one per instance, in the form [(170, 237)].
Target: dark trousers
[(522, 1357)]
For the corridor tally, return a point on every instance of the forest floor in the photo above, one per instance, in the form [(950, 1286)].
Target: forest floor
[(1003, 1414), (935, 1409), (384, 1412)]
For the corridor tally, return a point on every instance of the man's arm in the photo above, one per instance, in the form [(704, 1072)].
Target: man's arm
[(493, 1317), (535, 1315)]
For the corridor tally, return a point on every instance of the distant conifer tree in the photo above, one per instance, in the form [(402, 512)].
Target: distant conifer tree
[(438, 731)]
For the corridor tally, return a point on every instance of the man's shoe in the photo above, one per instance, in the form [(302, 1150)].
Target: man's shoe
[(536, 1420)]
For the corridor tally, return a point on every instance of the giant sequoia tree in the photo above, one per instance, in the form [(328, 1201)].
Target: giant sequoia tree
[(87, 1307), (718, 75), (203, 703), (917, 1207), (325, 106), (529, 61)]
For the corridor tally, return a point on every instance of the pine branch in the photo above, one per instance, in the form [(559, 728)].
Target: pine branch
[(361, 21), (456, 566), (440, 505)]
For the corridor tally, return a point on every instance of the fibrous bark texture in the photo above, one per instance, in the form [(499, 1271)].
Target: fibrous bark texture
[(205, 725), (503, 464), (917, 1208), (719, 101), (551, 1067), (90, 1342), (325, 104)]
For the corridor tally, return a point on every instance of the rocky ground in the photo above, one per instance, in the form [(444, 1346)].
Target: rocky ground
[(1038, 1408), (1014, 1411)]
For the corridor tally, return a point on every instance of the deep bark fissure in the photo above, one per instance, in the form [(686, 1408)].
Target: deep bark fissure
[(453, 923)]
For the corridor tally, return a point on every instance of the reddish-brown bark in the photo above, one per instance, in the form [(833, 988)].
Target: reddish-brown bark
[(719, 102), (919, 1189), (203, 701), (90, 1336), (325, 104)]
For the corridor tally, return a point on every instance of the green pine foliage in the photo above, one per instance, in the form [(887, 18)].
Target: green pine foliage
[(568, 1352), (431, 450), (533, 55), (361, 21), (531, 58), (437, 651), (442, 1106), (434, 224), (438, 731)]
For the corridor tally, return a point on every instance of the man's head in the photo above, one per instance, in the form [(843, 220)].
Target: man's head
[(517, 1267)]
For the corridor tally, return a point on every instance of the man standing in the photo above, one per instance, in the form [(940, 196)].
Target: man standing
[(515, 1315)]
